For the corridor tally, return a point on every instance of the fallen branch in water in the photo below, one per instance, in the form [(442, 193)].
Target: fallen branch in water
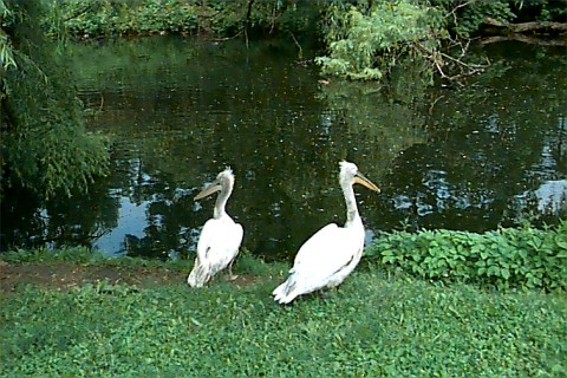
[(439, 60), (525, 39), (527, 27)]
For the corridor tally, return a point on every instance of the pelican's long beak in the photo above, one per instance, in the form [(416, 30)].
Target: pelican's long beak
[(360, 179), (213, 188)]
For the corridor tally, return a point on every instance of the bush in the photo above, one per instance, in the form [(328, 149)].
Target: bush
[(94, 18), (524, 257), (366, 46), (104, 18)]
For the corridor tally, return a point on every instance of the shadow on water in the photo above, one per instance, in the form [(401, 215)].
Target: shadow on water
[(177, 112)]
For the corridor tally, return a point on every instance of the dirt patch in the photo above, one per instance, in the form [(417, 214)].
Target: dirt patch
[(64, 276)]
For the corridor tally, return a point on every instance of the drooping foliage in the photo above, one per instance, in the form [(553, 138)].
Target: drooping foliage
[(365, 45), (45, 146), (366, 39)]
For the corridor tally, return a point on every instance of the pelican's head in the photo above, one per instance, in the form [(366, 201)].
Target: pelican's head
[(350, 175), (224, 180)]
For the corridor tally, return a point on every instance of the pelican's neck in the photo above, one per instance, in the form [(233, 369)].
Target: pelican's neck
[(222, 199), (352, 209)]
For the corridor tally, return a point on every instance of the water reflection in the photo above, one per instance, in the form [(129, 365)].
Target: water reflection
[(489, 145), (178, 112)]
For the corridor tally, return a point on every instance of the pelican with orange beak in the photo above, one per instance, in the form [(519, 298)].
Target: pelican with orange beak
[(220, 238), (332, 253)]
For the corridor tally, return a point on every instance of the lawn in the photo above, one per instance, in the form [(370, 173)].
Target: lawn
[(127, 318)]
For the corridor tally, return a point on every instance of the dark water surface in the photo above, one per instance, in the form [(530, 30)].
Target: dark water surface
[(177, 112)]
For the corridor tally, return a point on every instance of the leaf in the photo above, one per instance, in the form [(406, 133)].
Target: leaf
[(561, 243), (388, 259), (493, 271)]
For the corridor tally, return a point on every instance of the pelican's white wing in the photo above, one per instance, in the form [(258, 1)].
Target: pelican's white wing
[(218, 245), (323, 260), (327, 250)]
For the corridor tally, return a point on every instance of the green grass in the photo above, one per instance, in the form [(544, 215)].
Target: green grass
[(373, 326), (83, 256)]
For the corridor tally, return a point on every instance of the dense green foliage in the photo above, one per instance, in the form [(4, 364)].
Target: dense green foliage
[(466, 18), (367, 39), (94, 18), (371, 327), (364, 40), (525, 257), (6, 49), (44, 143), (367, 45)]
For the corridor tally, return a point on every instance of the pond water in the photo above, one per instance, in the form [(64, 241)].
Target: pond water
[(177, 112)]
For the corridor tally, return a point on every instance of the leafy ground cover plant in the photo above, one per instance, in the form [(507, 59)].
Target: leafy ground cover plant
[(525, 257)]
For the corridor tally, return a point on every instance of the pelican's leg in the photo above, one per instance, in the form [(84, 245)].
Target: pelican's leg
[(328, 292), (231, 276), (324, 295)]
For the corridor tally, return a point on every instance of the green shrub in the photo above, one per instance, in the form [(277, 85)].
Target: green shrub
[(524, 257), (103, 18), (466, 20), (93, 18), (82, 17), (366, 46), (169, 15)]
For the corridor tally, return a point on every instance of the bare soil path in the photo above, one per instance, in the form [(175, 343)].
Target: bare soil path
[(64, 276)]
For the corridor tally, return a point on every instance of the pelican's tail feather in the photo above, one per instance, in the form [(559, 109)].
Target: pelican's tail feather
[(285, 293), (199, 275)]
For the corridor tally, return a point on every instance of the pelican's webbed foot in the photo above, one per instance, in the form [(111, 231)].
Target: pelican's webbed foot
[(231, 276)]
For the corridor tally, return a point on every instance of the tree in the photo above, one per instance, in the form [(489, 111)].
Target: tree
[(45, 146)]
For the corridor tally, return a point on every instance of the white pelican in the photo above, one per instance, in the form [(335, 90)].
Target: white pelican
[(220, 238), (333, 252)]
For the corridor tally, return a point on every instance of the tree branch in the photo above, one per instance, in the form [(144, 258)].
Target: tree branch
[(525, 27), (525, 39), (298, 46), (247, 20), (453, 12)]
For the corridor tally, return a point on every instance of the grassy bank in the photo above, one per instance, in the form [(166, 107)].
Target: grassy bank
[(373, 326)]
